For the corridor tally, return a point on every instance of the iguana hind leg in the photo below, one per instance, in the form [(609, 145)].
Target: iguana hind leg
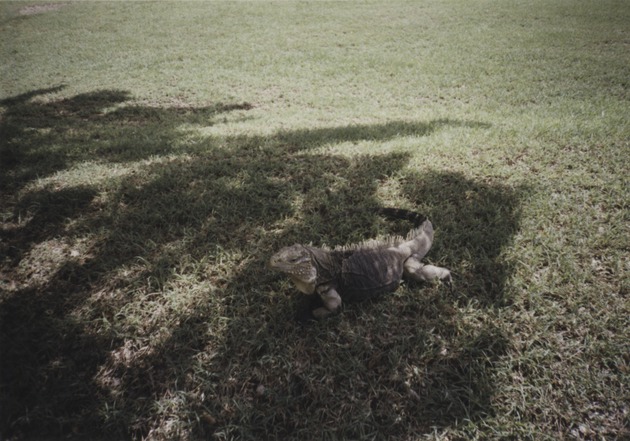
[(425, 273)]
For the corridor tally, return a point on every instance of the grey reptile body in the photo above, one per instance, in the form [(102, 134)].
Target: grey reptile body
[(361, 271)]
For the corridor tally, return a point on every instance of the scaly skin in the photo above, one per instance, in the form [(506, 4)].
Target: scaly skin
[(362, 271)]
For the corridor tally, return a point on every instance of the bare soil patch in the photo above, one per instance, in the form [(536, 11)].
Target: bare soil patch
[(40, 9)]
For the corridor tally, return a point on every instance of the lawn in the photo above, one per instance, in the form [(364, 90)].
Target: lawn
[(153, 155)]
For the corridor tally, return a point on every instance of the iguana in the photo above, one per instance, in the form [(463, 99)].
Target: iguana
[(360, 271)]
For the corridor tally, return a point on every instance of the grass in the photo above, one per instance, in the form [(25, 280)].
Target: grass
[(153, 155)]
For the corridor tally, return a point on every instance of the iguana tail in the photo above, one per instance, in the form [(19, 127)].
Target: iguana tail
[(419, 240), (400, 213)]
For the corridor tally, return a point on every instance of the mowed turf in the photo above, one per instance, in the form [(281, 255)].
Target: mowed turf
[(154, 155)]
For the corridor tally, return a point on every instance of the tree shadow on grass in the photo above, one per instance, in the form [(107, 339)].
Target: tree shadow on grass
[(407, 364), (139, 306), (40, 138), (476, 222)]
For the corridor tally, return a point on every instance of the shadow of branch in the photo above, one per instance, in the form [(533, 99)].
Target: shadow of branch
[(152, 298)]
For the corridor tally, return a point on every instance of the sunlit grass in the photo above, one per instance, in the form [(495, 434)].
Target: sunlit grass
[(153, 155)]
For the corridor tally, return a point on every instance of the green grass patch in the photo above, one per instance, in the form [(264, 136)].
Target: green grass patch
[(154, 155)]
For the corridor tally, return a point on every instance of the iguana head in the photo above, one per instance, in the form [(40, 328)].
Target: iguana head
[(297, 262)]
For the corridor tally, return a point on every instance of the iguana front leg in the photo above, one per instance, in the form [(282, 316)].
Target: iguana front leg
[(332, 303), (425, 273)]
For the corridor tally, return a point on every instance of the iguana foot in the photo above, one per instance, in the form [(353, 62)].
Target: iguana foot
[(426, 273), (321, 313)]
